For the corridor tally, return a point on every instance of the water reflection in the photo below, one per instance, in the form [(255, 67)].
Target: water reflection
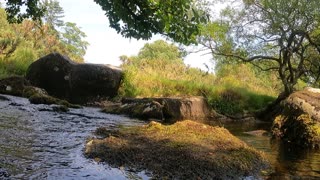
[(287, 162)]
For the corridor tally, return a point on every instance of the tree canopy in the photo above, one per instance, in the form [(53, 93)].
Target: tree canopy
[(282, 36), (21, 44), (177, 19)]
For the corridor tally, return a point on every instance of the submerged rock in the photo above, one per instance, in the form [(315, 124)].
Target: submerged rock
[(257, 133), (184, 150), (299, 122), (166, 108), (77, 83)]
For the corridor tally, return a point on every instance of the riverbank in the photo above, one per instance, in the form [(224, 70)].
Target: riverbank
[(185, 149)]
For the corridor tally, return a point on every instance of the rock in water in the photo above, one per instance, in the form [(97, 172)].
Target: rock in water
[(299, 122), (77, 83), (49, 73), (169, 109)]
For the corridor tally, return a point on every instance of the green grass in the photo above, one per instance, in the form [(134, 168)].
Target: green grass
[(230, 97), (238, 100)]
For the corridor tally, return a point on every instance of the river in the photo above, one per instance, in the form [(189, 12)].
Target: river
[(37, 142)]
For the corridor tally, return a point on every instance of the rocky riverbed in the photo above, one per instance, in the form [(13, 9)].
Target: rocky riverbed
[(36, 142)]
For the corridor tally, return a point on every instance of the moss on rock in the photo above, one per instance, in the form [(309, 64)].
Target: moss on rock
[(299, 121), (19, 86), (13, 85), (184, 150), (299, 130)]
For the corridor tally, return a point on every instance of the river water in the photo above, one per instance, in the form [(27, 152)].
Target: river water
[(39, 143)]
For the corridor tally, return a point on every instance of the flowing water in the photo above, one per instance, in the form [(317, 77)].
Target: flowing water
[(39, 143)]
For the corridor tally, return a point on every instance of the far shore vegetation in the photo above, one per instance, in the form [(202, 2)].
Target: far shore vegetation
[(233, 88)]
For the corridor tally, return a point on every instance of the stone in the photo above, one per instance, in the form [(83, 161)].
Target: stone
[(77, 83), (169, 109), (259, 132), (91, 81), (299, 121), (13, 85)]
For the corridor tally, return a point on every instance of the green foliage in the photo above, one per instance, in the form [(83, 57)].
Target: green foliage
[(21, 44), (158, 70), (233, 100), (15, 14), (19, 62), (176, 19), (53, 13), (281, 36), (72, 38)]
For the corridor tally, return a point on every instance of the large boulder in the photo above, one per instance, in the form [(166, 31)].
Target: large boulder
[(299, 122), (77, 83), (169, 109)]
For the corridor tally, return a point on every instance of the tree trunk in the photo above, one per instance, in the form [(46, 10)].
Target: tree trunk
[(272, 110)]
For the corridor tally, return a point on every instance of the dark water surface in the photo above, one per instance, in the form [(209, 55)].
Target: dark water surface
[(287, 162), (38, 143)]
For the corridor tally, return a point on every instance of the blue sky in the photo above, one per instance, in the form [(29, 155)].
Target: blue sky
[(105, 44)]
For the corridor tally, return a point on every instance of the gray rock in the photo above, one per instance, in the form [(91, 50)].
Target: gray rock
[(77, 83), (169, 109), (299, 121)]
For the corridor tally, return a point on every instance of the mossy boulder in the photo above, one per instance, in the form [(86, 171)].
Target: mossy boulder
[(77, 83), (14, 85), (184, 150), (19, 86), (299, 122)]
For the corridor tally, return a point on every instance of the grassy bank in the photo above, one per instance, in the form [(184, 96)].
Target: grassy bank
[(183, 150), (159, 71)]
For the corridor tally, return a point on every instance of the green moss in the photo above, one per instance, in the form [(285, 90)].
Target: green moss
[(42, 99), (38, 98), (13, 85), (299, 130), (183, 150)]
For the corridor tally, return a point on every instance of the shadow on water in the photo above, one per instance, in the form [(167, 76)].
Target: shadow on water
[(287, 162), (38, 143)]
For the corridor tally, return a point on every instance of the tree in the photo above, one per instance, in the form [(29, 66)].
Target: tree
[(72, 37), (281, 36), (21, 44), (176, 19), (33, 10), (53, 13)]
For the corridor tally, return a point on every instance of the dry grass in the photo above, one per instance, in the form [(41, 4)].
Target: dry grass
[(183, 150)]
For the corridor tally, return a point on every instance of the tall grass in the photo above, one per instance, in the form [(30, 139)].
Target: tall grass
[(232, 93)]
